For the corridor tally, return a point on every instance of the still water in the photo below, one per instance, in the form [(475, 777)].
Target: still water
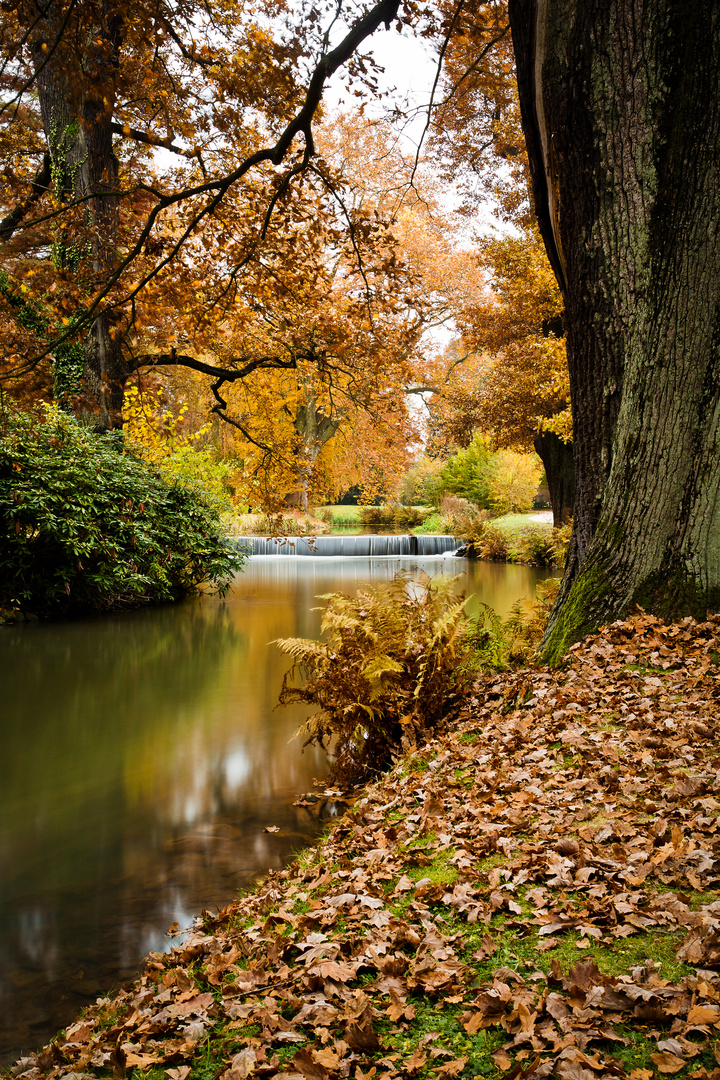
[(142, 760)]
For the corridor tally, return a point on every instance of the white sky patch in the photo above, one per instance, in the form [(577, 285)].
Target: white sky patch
[(410, 68)]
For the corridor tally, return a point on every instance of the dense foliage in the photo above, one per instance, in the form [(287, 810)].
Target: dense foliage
[(389, 667), (502, 480), (85, 526)]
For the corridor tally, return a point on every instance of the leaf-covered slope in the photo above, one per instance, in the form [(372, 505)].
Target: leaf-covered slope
[(531, 895)]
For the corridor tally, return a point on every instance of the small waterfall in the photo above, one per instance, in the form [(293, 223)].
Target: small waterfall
[(348, 546)]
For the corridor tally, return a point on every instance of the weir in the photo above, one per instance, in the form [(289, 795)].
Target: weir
[(369, 544)]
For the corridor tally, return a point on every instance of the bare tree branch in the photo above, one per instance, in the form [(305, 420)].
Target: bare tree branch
[(149, 140), (225, 374)]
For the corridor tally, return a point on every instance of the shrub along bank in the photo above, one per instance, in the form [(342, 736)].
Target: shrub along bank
[(532, 894), (516, 538), (86, 526)]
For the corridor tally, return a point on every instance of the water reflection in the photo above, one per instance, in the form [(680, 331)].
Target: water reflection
[(142, 759)]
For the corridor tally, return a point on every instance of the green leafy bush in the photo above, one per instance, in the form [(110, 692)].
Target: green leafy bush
[(85, 526), (420, 483), (466, 473), (502, 480), (433, 523), (391, 666)]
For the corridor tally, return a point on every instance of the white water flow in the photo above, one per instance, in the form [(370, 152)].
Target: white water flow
[(368, 545)]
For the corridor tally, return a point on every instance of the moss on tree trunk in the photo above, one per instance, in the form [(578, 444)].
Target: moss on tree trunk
[(621, 109)]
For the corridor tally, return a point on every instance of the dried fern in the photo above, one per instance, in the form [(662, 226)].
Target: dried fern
[(389, 669)]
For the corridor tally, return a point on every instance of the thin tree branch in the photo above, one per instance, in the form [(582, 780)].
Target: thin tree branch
[(191, 56), (436, 80), (149, 140)]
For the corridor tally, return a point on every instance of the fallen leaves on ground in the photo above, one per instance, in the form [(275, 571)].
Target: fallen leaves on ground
[(504, 902)]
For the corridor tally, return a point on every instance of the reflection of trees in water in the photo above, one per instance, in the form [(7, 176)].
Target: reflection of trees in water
[(89, 668), (142, 760)]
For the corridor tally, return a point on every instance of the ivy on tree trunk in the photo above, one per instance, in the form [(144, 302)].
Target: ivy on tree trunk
[(76, 94), (621, 110)]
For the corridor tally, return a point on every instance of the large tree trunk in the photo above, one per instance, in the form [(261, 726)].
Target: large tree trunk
[(76, 67), (621, 109), (557, 459)]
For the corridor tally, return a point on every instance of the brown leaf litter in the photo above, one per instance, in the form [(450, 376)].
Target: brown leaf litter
[(571, 815)]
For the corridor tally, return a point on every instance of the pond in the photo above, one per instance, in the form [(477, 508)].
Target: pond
[(143, 761)]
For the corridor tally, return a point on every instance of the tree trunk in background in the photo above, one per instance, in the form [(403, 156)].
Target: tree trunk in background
[(621, 110), (557, 458), (314, 429), (76, 89)]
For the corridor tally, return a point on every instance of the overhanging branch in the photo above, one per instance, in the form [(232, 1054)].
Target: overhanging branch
[(225, 374)]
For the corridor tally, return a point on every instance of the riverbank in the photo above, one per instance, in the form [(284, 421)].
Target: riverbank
[(533, 893)]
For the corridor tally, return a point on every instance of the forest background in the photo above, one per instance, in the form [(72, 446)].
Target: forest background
[(303, 307)]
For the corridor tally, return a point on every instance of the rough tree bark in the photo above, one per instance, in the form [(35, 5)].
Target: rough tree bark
[(314, 429), (76, 72), (621, 110), (557, 459)]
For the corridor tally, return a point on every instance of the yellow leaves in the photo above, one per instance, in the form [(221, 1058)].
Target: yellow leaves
[(513, 480), (518, 379)]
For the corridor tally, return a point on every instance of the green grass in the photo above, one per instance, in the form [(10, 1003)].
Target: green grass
[(431, 524), (509, 522), (516, 527), (341, 515), (443, 1023), (513, 526)]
